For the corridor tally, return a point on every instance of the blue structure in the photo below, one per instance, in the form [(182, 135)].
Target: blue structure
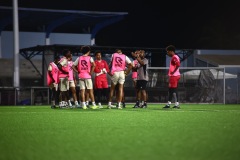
[(59, 21)]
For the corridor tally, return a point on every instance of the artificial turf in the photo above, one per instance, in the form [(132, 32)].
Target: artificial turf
[(194, 132)]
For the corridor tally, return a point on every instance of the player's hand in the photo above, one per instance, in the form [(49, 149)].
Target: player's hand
[(110, 74), (133, 54), (55, 85), (104, 70)]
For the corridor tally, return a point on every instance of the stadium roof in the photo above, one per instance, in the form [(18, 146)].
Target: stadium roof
[(221, 60), (30, 52), (58, 21)]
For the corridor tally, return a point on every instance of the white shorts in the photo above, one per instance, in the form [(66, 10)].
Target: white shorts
[(64, 85), (71, 83), (118, 77), (85, 84)]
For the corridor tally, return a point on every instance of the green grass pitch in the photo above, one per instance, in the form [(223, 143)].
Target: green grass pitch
[(194, 132)]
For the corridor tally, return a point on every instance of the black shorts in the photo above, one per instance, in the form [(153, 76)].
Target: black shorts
[(141, 84)]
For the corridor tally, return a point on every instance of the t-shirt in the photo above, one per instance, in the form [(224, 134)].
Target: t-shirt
[(142, 70)]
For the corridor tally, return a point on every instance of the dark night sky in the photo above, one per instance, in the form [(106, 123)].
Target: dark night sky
[(151, 23)]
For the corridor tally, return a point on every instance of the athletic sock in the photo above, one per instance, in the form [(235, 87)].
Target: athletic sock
[(169, 103), (76, 102), (69, 102)]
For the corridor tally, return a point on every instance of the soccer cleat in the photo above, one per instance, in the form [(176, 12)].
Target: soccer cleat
[(85, 107), (166, 107), (53, 106), (136, 106), (61, 106), (94, 107), (100, 105), (66, 104), (77, 106), (119, 107), (70, 104), (176, 107), (111, 106), (144, 106), (124, 105)]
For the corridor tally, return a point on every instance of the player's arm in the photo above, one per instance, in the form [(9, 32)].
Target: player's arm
[(75, 65), (134, 66), (61, 68), (93, 65), (74, 69), (129, 66), (106, 66), (50, 73), (110, 66), (51, 76), (140, 61), (74, 79)]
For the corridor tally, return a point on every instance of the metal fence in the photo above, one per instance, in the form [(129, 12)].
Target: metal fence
[(197, 85)]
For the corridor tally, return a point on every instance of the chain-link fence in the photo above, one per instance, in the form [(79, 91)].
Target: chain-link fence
[(197, 85)]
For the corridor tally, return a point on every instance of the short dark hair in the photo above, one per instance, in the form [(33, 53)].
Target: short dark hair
[(85, 49), (170, 48), (66, 52), (96, 52), (118, 50)]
